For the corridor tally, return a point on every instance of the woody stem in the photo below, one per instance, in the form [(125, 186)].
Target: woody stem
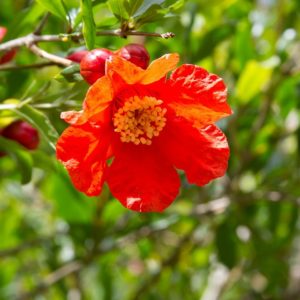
[(33, 38)]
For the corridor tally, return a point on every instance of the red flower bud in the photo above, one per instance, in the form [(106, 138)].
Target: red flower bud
[(77, 56), (23, 133), (135, 53), (3, 31), (8, 55), (92, 65)]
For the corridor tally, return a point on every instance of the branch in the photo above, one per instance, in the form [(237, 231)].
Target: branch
[(54, 58), (31, 39), (213, 207), (170, 261), (27, 245), (30, 66), (124, 34), (35, 38), (52, 278), (109, 244)]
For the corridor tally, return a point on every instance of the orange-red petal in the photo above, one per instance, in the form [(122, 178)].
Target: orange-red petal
[(202, 153), (73, 117), (128, 71), (142, 180), (83, 150), (197, 95), (98, 99), (133, 74), (159, 68)]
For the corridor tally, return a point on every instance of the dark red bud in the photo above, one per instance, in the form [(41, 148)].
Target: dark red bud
[(3, 31), (8, 55), (1, 129), (92, 65), (77, 56), (135, 53), (23, 133)]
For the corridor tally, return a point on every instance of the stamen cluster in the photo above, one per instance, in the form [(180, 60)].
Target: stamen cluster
[(140, 119)]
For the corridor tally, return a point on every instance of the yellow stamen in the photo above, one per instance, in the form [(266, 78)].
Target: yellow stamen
[(140, 119)]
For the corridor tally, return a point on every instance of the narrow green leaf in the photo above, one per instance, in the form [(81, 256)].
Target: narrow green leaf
[(97, 2), (176, 5), (71, 74), (252, 81), (40, 121), (71, 69), (89, 27), (132, 6), (21, 157), (25, 19), (226, 244), (154, 13), (211, 39), (56, 7), (117, 7), (146, 6)]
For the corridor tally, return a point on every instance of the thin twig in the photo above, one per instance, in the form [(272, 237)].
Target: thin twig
[(31, 39), (121, 33), (52, 278), (17, 249), (170, 261), (54, 58), (109, 244), (30, 66), (213, 207), (34, 38)]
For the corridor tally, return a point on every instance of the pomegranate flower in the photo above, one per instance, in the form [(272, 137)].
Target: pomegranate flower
[(147, 126)]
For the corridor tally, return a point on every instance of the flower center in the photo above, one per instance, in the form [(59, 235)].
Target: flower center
[(140, 119)]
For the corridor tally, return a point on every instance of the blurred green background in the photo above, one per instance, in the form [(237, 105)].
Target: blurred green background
[(236, 238)]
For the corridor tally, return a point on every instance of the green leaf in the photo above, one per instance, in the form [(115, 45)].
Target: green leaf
[(97, 2), (71, 69), (117, 7), (211, 39), (71, 74), (40, 121), (154, 13), (132, 6), (226, 244), (244, 47), (252, 80), (56, 7), (176, 5), (89, 27), (147, 5), (20, 155), (73, 206), (25, 20)]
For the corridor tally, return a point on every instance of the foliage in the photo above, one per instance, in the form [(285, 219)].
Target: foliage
[(236, 238)]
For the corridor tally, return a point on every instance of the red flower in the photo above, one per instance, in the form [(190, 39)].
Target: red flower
[(150, 126)]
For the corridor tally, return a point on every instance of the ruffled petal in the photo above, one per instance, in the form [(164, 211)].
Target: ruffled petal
[(202, 153), (159, 68), (133, 74), (197, 95), (83, 150), (73, 117), (98, 100), (142, 180), (128, 71)]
